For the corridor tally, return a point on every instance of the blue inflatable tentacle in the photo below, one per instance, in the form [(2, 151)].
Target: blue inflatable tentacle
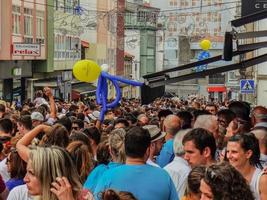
[(98, 90), (118, 95), (130, 82), (102, 91), (103, 98)]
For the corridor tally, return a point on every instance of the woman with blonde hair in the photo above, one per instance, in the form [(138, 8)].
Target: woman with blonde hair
[(118, 157), (116, 145), (47, 169)]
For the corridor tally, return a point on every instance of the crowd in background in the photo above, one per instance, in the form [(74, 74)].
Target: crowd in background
[(171, 149)]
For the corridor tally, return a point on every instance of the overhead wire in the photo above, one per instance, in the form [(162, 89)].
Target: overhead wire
[(88, 16), (166, 10)]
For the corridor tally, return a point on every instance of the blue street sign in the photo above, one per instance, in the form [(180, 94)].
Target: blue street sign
[(247, 86)]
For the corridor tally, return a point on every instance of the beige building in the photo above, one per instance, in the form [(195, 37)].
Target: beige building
[(187, 22), (22, 44)]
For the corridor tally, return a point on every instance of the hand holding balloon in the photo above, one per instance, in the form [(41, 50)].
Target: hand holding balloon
[(89, 71)]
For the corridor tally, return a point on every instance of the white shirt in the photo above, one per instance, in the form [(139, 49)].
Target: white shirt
[(178, 170), (150, 162), (19, 193), (255, 183), (3, 170), (263, 160)]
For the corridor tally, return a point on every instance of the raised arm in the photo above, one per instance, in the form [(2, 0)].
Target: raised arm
[(22, 144), (53, 110), (263, 186)]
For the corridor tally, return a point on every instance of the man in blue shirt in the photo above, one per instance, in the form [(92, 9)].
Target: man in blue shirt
[(171, 125), (145, 182)]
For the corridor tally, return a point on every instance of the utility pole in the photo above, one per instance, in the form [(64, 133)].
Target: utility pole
[(120, 37)]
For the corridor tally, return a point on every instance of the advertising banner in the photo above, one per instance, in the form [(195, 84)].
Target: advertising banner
[(21, 49), (252, 6)]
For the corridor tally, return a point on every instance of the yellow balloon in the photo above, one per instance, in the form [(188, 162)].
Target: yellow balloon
[(86, 70), (205, 44)]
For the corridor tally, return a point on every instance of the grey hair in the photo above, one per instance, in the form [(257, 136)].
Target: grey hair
[(261, 135), (178, 146), (205, 121)]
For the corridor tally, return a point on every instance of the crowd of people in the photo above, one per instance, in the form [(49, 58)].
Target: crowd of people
[(171, 149)]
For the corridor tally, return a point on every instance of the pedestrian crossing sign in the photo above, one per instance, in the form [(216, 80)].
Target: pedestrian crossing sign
[(247, 86)]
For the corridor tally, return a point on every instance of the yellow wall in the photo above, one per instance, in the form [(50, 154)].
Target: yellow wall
[(91, 52)]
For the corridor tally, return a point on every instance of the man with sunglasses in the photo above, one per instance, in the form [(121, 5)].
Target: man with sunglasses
[(77, 125)]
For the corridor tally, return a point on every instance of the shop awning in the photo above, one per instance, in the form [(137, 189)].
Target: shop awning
[(216, 89), (126, 54), (85, 44), (83, 88), (45, 83)]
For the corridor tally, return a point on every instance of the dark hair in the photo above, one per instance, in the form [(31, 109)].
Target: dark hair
[(186, 118), (241, 109), (45, 106), (131, 117), (164, 113), (59, 108), (80, 116), (71, 115), (17, 165), (66, 122), (121, 120), (102, 153), (248, 141), (2, 108), (79, 136), (24, 112), (79, 122), (82, 158), (242, 126), (93, 133), (39, 93), (202, 139), (211, 105), (227, 183), (137, 140), (110, 194), (92, 106), (107, 122), (227, 114), (26, 121), (194, 178), (73, 108), (6, 125), (58, 136)]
